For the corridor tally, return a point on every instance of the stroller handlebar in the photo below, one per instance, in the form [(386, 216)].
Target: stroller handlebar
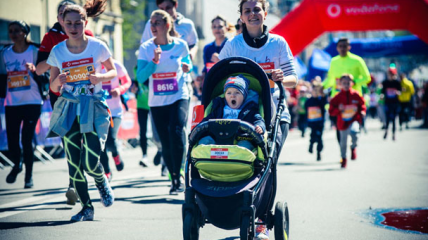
[(226, 128)]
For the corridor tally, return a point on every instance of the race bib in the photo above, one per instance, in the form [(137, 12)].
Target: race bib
[(268, 67), (165, 83), (219, 153), (209, 66), (78, 71), (18, 81), (314, 114), (391, 92), (349, 112)]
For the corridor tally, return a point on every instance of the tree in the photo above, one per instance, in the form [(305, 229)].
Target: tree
[(133, 12)]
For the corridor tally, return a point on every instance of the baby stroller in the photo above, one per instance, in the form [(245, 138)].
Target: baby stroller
[(227, 185)]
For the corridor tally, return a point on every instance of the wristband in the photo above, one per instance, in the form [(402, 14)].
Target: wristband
[(56, 93), (156, 62)]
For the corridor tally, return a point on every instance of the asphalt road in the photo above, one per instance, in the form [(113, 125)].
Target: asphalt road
[(325, 202)]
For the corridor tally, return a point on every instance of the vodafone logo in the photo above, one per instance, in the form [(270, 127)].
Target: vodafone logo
[(333, 10)]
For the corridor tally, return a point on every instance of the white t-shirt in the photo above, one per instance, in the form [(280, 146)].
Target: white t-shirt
[(274, 54), (167, 83), (183, 26), (80, 64), (22, 89), (114, 103)]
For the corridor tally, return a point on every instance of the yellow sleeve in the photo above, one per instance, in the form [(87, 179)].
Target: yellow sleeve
[(364, 77)]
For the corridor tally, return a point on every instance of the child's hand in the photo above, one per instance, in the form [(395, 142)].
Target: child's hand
[(259, 130)]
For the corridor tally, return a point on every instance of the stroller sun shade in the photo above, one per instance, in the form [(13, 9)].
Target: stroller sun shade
[(216, 77)]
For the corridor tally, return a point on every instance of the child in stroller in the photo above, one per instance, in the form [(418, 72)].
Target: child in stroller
[(237, 104)]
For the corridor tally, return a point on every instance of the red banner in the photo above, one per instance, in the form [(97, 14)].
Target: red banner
[(313, 17)]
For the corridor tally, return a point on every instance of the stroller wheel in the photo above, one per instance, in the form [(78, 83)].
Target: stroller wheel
[(190, 227), (244, 231), (281, 224)]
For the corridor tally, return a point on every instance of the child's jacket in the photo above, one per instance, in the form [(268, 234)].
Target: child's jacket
[(354, 107)]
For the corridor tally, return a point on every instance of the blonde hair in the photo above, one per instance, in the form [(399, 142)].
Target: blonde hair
[(168, 20)]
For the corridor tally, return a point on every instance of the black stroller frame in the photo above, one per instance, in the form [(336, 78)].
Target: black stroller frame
[(258, 200)]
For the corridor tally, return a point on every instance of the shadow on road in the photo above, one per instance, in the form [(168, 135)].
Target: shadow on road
[(14, 225), (25, 208), (41, 192), (155, 199)]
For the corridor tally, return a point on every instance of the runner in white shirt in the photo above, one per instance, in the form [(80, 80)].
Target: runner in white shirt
[(80, 115), (184, 26), (270, 51), (23, 101), (165, 60)]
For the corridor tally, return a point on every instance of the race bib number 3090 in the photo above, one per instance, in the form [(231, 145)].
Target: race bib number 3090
[(78, 71)]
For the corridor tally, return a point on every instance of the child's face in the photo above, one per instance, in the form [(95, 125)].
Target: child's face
[(234, 98), (346, 83)]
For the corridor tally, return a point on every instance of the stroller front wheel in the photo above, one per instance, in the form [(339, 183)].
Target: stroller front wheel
[(190, 227), (281, 224)]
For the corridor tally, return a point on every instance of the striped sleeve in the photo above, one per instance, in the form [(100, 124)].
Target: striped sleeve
[(286, 62)]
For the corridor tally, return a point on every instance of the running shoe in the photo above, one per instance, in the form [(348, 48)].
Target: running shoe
[(106, 193), (109, 176), (262, 233), (158, 158), (353, 153), (71, 196), (86, 214), (311, 147), (343, 163), (318, 156), (173, 190), (29, 183), (11, 177), (143, 162), (118, 162)]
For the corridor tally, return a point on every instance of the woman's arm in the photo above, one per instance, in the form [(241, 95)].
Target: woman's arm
[(104, 77), (144, 70), (56, 80)]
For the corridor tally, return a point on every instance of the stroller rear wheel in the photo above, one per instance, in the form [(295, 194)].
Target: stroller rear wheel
[(190, 227), (281, 224)]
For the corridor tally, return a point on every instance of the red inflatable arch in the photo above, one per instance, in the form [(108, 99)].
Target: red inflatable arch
[(313, 17)]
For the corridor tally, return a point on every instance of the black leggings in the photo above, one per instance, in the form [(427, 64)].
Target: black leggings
[(83, 155), (170, 122), (316, 136), (404, 114), (110, 144), (143, 115), (28, 115), (391, 111)]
